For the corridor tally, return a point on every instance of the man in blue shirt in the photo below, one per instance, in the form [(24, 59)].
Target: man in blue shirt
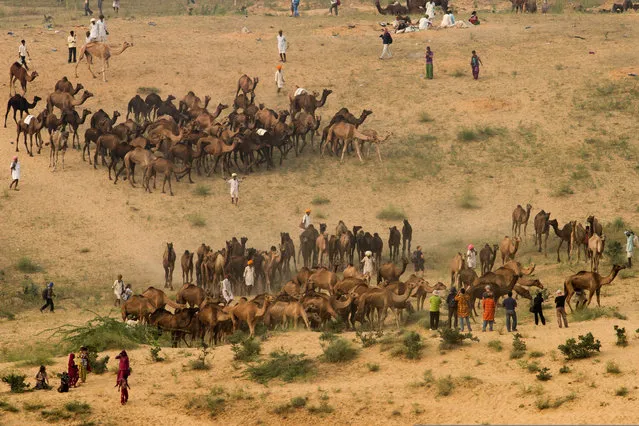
[(510, 304)]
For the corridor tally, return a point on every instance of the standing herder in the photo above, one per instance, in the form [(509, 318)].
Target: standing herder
[(279, 78), (452, 307), (387, 40), (234, 184), (118, 290), (488, 304), (429, 63), (87, 9), (369, 265), (630, 246), (227, 289), (475, 62), (463, 309), (71, 43), (15, 173), (282, 45), (306, 220), (511, 315), (471, 257), (418, 260), (249, 276), (334, 5), (47, 295), (430, 9), (23, 53), (435, 302), (560, 304)]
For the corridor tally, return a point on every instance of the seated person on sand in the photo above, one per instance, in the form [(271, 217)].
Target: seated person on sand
[(425, 23), (473, 18), (447, 20)]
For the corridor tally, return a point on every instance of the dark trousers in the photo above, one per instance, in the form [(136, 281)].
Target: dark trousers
[(452, 313), (87, 10), (49, 304), (540, 316), (333, 6), (72, 51), (23, 61), (434, 320)]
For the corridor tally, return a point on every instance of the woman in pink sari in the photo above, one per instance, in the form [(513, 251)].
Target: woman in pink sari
[(72, 371), (124, 370)]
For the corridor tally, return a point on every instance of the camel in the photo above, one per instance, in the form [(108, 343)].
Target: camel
[(380, 300), (140, 156), (344, 115), (19, 103), (345, 132), (281, 311), (64, 100), (322, 278), (102, 122), (104, 143), (153, 101), (212, 268), (211, 316), (456, 265), (99, 51), (303, 124), (343, 308), (164, 166), (250, 313), (292, 289), (590, 281), (517, 268), (508, 248), (307, 102), (307, 246), (321, 246), (246, 85), (518, 5), (18, 73), (466, 276), (187, 267), (487, 258), (596, 245), (579, 239), (595, 226), (287, 248), (192, 295), (351, 272), (422, 291), (180, 323), (520, 217), (407, 236), (168, 262), (392, 9), (373, 140), (64, 85), (32, 129), (391, 272), (139, 108), (72, 118), (394, 239), (138, 307), (565, 234), (59, 144), (159, 299), (320, 304), (347, 285), (542, 227)]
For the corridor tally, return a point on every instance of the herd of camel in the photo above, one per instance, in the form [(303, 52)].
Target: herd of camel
[(168, 139), (331, 288)]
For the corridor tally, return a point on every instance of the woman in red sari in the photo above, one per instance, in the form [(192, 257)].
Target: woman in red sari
[(72, 371), (123, 371)]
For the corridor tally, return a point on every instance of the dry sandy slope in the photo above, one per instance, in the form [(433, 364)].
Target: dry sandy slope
[(531, 83)]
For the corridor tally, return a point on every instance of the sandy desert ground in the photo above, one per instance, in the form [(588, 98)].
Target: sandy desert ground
[(552, 122)]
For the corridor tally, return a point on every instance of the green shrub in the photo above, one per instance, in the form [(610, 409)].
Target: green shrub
[(248, 350), (5, 406), (622, 391), (369, 339), (586, 347), (335, 326), (617, 224), (544, 374), (55, 415), (425, 117), (563, 191), (372, 367), (283, 365), (391, 212), (27, 266), (467, 199), (201, 363), (154, 352), (323, 408), (29, 406), (452, 338), (458, 73), (339, 350), (202, 190), (319, 201), (445, 386), (622, 339), (143, 90), (98, 365), (536, 354), (298, 402), (196, 220), (589, 314), (564, 370), (612, 368), (30, 355), (519, 347), (495, 345), (615, 251), (16, 382), (478, 134), (77, 407), (545, 403), (532, 367), (327, 336), (214, 403), (413, 345)]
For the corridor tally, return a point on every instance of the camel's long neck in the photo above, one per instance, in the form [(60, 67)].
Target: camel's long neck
[(119, 52), (30, 77), (610, 277), (262, 311), (403, 268), (323, 99)]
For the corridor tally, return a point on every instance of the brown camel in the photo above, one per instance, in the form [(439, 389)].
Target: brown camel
[(137, 307), (187, 267), (565, 234), (580, 240), (64, 85), (211, 317), (456, 265), (100, 51), (542, 228), (164, 166), (140, 156), (64, 100), (596, 245), (517, 268), (247, 85), (590, 281), (307, 102), (32, 129), (73, 119), (394, 239), (487, 256), (520, 217), (351, 272), (467, 276), (250, 313), (343, 307), (280, 312), (322, 278), (168, 262), (394, 9), (380, 300), (320, 304), (192, 295), (104, 144), (344, 132), (292, 289), (159, 299), (182, 322), (595, 226), (373, 139), (508, 248), (59, 145), (321, 245), (346, 285), (390, 272), (422, 291), (18, 73)]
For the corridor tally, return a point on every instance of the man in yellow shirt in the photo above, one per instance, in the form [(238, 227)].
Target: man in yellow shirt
[(71, 42)]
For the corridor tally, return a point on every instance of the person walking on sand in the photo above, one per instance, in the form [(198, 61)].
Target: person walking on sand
[(282, 44), (387, 40), (511, 316), (15, 173), (451, 302), (23, 53), (418, 260), (249, 276), (296, 8), (488, 305), (435, 301), (124, 370), (463, 309), (234, 184), (71, 43), (334, 5), (475, 62), (368, 267), (116, 6), (100, 7), (118, 289), (560, 304), (279, 78), (537, 309), (47, 295), (429, 63)]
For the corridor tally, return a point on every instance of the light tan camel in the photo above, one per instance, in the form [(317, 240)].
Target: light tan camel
[(186, 262), (508, 248), (280, 312), (159, 299), (456, 266), (18, 73), (192, 295), (345, 132), (250, 313), (520, 217), (59, 145), (347, 285), (322, 278), (210, 317), (138, 156), (321, 244), (64, 100), (422, 290), (321, 304), (374, 140), (160, 165), (100, 51), (590, 281), (351, 272), (32, 129), (596, 245)]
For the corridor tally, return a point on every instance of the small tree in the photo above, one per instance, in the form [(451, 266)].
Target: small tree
[(16, 382), (519, 347), (586, 347), (622, 340)]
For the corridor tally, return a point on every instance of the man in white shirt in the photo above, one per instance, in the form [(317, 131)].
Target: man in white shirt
[(249, 277), (118, 289), (471, 257), (306, 220), (282, 44), (234, 183), (227, 289), (101, 29), (369, 265), (93, 31), (23, 53)]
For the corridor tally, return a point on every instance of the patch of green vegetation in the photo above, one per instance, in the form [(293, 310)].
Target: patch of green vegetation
[(55, 415), (283, 365), (544, 374), (564, 369), (458, 73), (468, 199), (339, 350), (586, 347), (563, 190), (201, 362), (5, 406), (536, 354), (519, 347), (77, 407), (320, 200), (144, 90), (615, 252), (196, 220), (452, 338), (622, 339), (589, 314), (545, 403), (425, 117), (28, 266), (622, 391), (478, 134), (391, 212), (30, 355), (321, 409), (29, 406), (580, 173), (16, 382), (202, 190), (248, 350), (612, 368), (495, 345), (445, 386), (320, 215), (214, 403), (372, 367)]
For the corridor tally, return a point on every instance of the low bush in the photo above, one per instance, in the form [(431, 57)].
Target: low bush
[(98, 365), (391, 212), (452, 338), (248, 350), (77, 407), (612, 368), (468, 200), (495, 345), (545, 403), (323, 408), (214, 403), (196, 220), (622, 391), (589, 314), (445, 386), (319, 200), (202, 190), (586, 347), (544, 374), (622, 339), (338, 350), (201, 362), (519, 347), (536, 354), (564, 370), (283, 365), (16, 382), (154, 352), (369, 339), (27, 266), (5, 406), (372, 367)]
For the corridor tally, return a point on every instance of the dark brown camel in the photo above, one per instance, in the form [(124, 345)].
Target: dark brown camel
[(64, 85), (392, 9), (187, 267), (19, 103), (394, 239), (590, 281), (407, 236), (542, 228), (308, 102), (18, 73), (520, 217), (487, 258), (168, 262), (595, 226), (564, 234), (72, 118)]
